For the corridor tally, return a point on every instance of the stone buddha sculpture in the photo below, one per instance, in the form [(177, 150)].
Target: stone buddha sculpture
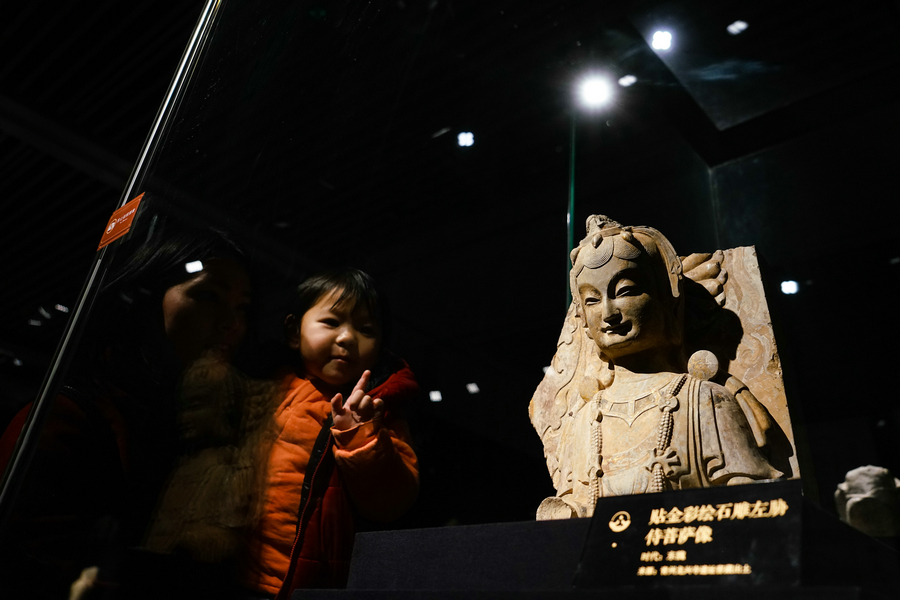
[(619, 412)]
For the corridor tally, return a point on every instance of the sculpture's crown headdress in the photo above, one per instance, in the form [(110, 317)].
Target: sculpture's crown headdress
[(607, 238)]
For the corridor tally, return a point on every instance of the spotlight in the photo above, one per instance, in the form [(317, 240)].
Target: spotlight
[(473, 388), (627, 80), (61, 308), (17, 362), (466, 138), (662, 40), (595, 92), (789, 287), (193, 267), (435, 396)]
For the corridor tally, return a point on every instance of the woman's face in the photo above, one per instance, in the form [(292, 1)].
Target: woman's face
[(207, 314), (620, 308)]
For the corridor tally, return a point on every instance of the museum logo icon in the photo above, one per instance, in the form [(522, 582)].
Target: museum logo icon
[(620, 521)]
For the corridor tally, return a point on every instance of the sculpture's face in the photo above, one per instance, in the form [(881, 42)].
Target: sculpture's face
[(622, 308)]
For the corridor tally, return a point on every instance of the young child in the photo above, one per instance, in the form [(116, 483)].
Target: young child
[(339, 449)]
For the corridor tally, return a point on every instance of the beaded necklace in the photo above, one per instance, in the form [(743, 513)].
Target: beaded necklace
[(662, 453)]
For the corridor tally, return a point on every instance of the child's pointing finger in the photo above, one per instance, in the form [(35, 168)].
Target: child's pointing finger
[(363, 381)]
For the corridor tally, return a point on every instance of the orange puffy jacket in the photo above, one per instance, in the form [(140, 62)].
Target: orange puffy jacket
[(318, 476)]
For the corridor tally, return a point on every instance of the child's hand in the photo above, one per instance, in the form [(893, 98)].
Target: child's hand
[(359, 407)]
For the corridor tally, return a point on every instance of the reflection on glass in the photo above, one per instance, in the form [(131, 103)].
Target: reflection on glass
[(466, 138), (737, 27), (112, 434), (789, 287)]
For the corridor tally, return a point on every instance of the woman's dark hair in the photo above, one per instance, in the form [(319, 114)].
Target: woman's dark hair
[(127, 330), (356, 288)]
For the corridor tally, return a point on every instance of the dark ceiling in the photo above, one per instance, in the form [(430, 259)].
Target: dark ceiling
[(316, 130)]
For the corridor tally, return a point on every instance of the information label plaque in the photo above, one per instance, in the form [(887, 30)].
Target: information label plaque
[(120, 222), (748, 534)]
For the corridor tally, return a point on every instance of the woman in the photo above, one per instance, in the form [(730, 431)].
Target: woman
[(110, 439)]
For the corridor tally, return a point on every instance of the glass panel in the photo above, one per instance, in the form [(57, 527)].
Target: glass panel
[(445, 149)]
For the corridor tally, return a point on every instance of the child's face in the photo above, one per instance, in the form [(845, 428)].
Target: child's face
[(335, 343)]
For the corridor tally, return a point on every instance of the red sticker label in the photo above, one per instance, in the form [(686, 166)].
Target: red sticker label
[(120, 222)]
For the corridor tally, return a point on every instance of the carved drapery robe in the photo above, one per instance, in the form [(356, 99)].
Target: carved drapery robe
[(712, 441)]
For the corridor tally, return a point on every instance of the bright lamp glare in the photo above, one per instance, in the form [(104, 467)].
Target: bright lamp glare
[(61, 308), (435, 396), (737, 27), (789, 287), (193, 267), (595, 92), (473, 388), (662, 40), (627, 80), (466, 138)]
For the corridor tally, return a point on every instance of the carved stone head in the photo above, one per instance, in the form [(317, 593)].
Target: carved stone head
[(627, 289)]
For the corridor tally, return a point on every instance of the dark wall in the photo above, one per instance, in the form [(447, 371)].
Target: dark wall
[(661, 182), (822, 210)]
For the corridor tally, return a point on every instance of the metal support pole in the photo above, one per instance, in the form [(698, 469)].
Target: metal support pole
[(570, 213), (28, 437)]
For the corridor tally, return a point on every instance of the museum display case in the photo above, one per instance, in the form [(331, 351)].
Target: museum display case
[(452, 151)]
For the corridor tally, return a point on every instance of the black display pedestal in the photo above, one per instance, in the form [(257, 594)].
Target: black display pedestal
[(754, 541)]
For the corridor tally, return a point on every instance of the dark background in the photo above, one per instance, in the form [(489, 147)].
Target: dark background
[(312, 129)]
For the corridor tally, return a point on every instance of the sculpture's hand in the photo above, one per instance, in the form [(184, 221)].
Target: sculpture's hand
[(359, 407), (706, 269)]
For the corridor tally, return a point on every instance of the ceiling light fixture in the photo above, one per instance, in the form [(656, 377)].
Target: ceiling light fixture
[(790, 287), (737, 27), (595, 91), (662, 40)]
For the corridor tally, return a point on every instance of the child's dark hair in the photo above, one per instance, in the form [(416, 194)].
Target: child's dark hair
[(356, 287)]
